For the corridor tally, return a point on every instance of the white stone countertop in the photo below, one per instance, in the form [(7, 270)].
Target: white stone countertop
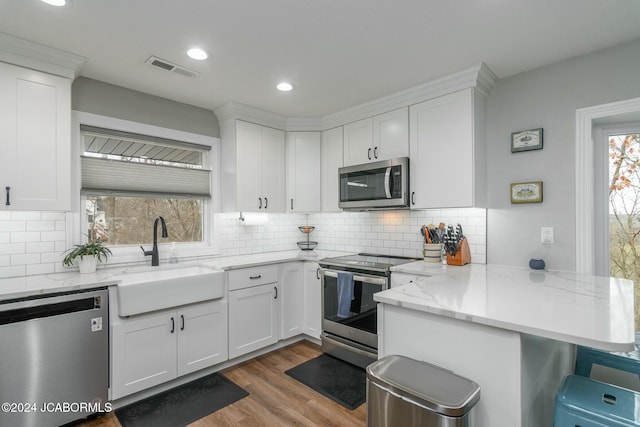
[(29, 286), (564, 306)]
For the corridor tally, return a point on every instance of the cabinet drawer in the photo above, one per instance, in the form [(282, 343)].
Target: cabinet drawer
[(249, 277)]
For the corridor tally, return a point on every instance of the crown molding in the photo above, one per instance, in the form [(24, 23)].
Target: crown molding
[(237, 111), (304, 124), (32, 55), (479, 77)]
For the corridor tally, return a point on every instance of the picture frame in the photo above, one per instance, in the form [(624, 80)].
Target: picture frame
[(526, 192), (526, 140)]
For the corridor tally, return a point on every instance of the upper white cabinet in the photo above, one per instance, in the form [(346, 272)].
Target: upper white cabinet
[(253, 168), (381, 137), (448, 153), (303, 171), (35, 135), (331, 153)]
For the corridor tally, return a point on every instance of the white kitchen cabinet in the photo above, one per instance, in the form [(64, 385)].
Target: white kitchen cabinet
[(292, 303), (303, 171), (254, 318), (35, 135), (331, 154), (447, 160), (259, 160), (382, 137), (202, 336), (312, 300), (151, 349)]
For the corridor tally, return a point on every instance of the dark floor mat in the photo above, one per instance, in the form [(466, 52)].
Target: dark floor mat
[(340, 381), (182, 405)]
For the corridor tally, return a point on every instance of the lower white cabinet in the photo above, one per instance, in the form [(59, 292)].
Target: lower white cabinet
[(151, 349), (312, 300), (253, 318), (292, 304)]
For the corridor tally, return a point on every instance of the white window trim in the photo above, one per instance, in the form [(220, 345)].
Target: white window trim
[(133, 254), (585, 185)]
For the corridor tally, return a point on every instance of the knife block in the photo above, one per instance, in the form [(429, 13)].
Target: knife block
[(462, 257)]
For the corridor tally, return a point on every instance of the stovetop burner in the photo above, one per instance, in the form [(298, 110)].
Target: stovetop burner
[(370, 261)]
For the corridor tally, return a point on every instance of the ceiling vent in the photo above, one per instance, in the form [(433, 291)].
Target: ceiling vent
[(165, 65)]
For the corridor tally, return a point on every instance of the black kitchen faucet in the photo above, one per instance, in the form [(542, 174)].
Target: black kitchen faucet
[(155, 259)]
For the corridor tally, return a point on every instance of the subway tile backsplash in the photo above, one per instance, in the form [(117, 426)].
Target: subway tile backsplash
[(395, 232), (33, 242)]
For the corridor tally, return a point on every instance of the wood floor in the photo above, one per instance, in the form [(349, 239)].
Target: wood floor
[(275, 399)]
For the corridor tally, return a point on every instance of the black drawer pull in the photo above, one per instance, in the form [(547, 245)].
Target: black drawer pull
[(255, 277)]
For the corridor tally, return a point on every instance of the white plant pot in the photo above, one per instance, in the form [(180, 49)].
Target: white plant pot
[(88, 264)]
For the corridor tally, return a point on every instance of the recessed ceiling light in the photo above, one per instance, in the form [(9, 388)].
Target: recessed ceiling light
[(284, 86), (197, 53), (56, 2)]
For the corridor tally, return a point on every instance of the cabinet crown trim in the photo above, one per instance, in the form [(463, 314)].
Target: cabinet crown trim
[(24, 53), (479, 77)]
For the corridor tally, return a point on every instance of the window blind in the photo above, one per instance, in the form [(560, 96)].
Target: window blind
[(160, 171)]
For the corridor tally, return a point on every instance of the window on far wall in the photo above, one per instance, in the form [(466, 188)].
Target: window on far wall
[(619, 199), (128, 180)]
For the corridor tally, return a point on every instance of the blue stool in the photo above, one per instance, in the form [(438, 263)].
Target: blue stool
[(585, 402), (586, 357)]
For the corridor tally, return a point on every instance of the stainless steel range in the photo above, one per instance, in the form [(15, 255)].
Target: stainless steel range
[(350, 321)]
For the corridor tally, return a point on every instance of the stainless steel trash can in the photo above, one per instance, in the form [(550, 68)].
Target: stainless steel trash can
[(408, 393)]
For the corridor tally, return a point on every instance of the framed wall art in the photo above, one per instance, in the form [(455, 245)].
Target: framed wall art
[(526, 140), (526, 192)]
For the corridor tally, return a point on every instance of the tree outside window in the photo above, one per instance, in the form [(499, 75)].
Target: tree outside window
[(624, 211)]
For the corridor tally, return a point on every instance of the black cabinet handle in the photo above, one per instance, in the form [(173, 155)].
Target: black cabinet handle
[(276, 289), (8, 200), (413, 197), (182, 322), (291, 204), (266, 203), (173, 325), (375, 152), (260, 199), (369, 153), (255, 277), (318, 273)]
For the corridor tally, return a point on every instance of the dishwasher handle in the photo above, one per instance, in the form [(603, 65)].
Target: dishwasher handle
[(48, 307)]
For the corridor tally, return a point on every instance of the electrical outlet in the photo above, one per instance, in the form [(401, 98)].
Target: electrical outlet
[(546, 234)]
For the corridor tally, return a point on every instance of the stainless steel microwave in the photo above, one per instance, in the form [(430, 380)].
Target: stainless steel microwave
[(375, 185)]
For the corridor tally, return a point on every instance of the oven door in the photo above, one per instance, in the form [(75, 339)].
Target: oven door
[(359, 321)]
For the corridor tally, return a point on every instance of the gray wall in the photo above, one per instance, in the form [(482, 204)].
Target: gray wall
[(93, 96), (547, 97)]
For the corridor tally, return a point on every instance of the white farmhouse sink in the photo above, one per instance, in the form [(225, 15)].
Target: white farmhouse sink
[(157, 288)]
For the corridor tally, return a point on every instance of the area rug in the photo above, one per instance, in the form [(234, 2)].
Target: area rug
[(182, 405), (340, 381)]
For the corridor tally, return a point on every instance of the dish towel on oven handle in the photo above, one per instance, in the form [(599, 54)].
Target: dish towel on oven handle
[(345, 293)]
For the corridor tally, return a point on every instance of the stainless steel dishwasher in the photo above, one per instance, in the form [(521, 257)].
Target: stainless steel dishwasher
[(54, 358)]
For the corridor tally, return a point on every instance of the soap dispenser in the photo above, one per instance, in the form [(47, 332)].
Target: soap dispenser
[(173, 257)]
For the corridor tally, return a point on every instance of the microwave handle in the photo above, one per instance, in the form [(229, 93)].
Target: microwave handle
[(387, 183), (356, 277)]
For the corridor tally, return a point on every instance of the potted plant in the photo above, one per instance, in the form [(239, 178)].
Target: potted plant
[(89, 253)]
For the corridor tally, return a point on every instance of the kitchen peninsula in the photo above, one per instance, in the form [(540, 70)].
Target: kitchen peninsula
[(510, 329)]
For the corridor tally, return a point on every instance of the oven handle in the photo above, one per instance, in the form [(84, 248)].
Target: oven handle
[(382, 281)]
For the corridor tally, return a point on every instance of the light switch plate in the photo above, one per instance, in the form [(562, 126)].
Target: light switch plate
[(546, 234)]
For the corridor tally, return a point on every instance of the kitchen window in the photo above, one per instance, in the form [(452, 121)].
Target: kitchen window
[(129, 179)]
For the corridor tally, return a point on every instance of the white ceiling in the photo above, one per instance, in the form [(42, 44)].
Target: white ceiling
[(338, 53)]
